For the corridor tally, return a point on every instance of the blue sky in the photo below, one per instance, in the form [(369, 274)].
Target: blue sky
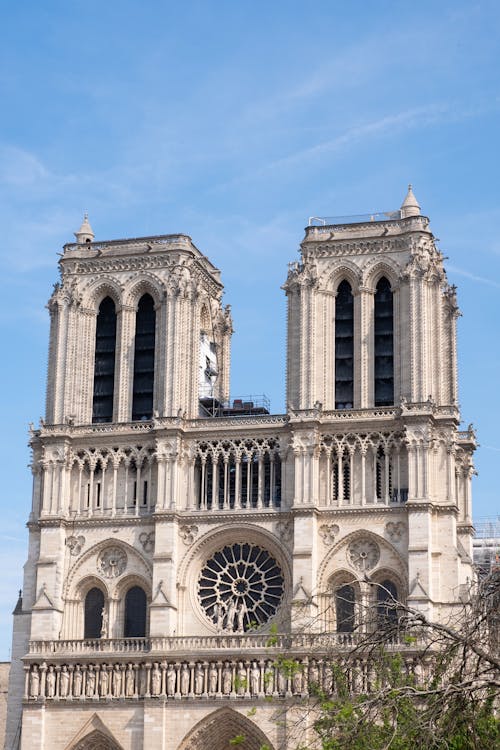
[(233, 122)]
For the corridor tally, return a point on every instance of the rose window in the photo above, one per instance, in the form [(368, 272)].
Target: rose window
[(363, 554), (240, 587)]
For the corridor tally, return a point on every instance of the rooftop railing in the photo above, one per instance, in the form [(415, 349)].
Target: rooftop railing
[(322, 221)]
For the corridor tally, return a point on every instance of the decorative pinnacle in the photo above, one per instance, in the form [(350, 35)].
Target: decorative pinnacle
[(410, 206), (85, 233)]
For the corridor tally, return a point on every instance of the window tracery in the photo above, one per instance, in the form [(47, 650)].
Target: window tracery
[(241, 586), (238, 474)]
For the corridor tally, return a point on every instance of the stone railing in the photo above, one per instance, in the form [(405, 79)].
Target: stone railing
[(115, 679), (244, 642)]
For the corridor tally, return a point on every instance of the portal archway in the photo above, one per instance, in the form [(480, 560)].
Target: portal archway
[(216, 731), (96, 741)]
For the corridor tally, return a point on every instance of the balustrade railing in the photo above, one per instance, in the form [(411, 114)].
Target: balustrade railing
[(242, 642)]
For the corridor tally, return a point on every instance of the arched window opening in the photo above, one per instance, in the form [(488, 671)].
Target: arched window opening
[(342, 489), (344, 347), (383, 475), (384, 345), (144, 359), (104, 368), (135, 613), (94, 608), (387, 597), (344, 608)]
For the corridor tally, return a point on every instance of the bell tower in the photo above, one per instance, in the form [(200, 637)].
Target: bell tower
[(127, 323)]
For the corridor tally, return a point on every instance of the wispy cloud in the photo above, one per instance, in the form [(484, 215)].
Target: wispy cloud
[(473, 276)]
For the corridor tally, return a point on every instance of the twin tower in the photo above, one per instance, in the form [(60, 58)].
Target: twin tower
[(172, 528)]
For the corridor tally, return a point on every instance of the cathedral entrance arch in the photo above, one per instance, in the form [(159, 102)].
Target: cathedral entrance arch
[(94, 735), (96, 741), (217, 730)]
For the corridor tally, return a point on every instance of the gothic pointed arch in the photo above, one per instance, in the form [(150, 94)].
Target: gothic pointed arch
[(376, 269), (383, 364), (347, 271), (98, 290), (364, 554), (218, 730), (344, 346), (94, 735), (143, 284), (104, 361), (144, 359)]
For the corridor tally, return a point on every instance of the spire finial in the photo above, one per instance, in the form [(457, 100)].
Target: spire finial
[(410, 206), (85, 233)]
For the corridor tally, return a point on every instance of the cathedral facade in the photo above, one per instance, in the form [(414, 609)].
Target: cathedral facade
[(180, 541)]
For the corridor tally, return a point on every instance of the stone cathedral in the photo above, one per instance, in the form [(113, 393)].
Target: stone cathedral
[(180, 539)]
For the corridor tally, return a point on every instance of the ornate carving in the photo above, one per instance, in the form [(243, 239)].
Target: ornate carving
[(188, 533), (284, 530), (363, 554), (329, 532), (394, 530), (147, 540), (112, 562), (75, 544), (239, 587)]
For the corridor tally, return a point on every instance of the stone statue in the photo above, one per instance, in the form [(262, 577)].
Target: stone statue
[(212, 679), (282, 680), (155, 680), (255, 678), (227, 678), (64, 682), (170, 680), (314, 674), (34, 682), (240, 614), (219, 612), (77, 681), (242, 678), (184, 679), (90, 686), (51, 682), (104, 682), (129, 681), (198, 679), (297, 681), (104, 626), (117, 681), (231, 614), (269, 678)]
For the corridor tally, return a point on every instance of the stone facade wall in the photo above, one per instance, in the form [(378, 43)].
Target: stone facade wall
[(239, 530), (4, 683)]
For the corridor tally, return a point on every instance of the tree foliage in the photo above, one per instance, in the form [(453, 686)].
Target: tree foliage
[(447, 700)]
